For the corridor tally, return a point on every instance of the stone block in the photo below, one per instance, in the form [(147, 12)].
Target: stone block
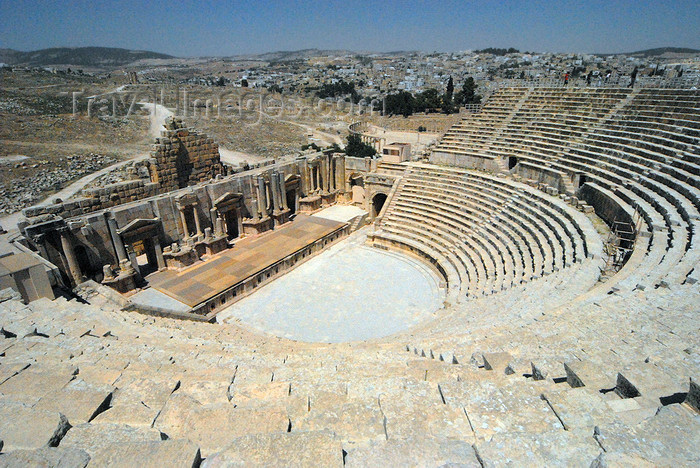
[(353, 422), (94, 438), (32, 384), (214, 426), (299, 449), (79, 401), (170, 453), (24, 427), (420, 452), (49, 457)]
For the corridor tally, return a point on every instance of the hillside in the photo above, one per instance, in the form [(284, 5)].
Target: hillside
[(82, 56), (665, 52)]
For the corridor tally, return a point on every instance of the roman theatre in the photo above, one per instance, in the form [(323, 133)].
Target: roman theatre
[(526, 294)]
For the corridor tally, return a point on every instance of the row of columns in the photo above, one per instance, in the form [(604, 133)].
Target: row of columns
[(262, 203), (195, 215), (324, 175)]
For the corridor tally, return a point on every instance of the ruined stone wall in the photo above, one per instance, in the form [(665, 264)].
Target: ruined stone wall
[(97, 199), (183, 157)]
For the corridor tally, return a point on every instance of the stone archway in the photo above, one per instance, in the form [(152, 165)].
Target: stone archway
[(292, 186), (512, 162), (356, 182), (378, 201)]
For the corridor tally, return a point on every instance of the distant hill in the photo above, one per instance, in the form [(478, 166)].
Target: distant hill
[(659, 52), (289, 55), (79, 56)]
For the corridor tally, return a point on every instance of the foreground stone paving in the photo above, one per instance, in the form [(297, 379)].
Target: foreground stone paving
[(80, 384)]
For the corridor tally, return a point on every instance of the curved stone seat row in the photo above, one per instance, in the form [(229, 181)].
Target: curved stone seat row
[(642, 146), (494, 233)]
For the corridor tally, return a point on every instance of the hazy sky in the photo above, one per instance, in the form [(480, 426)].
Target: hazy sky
[(191, 28)]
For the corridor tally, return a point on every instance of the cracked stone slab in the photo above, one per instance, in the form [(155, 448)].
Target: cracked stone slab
[(670, 437), (355, 421), (32, 384), (554, 448), (421, 452), (23, 427), (79, 401), (170, 453), (48, 457), (94, 438), (213, 427), (302, 449)]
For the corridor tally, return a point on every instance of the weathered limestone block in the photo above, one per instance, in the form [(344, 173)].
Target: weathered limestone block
[(255, 394), (32, 384), (134, 413), (23, 427), (579, 407), (669, 438), (302, 449), (170, 453), (499, 362), (421, 452), (355, 421), (552, 448), (580, 373), (406, 420), (95, 438), (49, 457), (79, 401), (213, 427)]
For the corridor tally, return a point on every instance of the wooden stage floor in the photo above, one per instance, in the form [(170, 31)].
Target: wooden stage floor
[(202, 281)]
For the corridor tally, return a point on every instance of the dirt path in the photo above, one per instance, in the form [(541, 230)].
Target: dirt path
[(158, 115)]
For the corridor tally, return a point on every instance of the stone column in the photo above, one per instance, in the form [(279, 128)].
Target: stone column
[(339, 161), (159, 253), (220, 227), (133, 261), (213, 215), (117, 240), (183, 219), (239, 220), (304, 174), (317, 178), (197, 222), (67, 246), (282, 189), (255, 213), (262, 197), (326, 174), (38, 240), (274, 188)]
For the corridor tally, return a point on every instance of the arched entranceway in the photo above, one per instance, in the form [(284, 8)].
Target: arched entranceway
[(231, 220), (292, 188), (512, 162), (378, 201), (292, 200), (86, 266), (357, 188)]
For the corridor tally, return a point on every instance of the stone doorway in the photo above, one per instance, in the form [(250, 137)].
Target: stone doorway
[(377, 204), (231, 221)]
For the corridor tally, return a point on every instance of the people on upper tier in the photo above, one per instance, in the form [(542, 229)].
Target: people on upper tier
[(566, 78)]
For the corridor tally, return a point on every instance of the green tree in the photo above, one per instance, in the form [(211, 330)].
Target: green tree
[(428, 100), (468, 93), (356, 148), (447, 99)]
